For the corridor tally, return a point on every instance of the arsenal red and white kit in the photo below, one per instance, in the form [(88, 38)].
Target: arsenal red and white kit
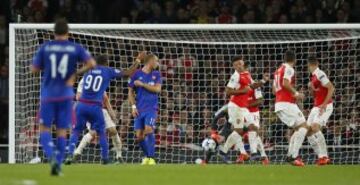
[(285, 103), (237, 109), (254, 95), (319, 80)]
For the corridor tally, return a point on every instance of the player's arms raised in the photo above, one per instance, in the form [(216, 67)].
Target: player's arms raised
[(131, 96), (230, 91), (152, 88), (132, 68)]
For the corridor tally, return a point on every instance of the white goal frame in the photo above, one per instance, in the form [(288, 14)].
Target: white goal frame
[(219, 27)]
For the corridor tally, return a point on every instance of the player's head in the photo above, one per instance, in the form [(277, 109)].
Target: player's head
[(238, 63), (152, 61), (290, 57), (61, 28), (101, 60), (313, 63)]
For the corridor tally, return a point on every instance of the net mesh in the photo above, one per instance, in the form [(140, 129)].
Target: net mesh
[(195, 66)]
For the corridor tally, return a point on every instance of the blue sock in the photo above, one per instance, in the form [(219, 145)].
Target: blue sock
[(60, 145), (150, 143), (143, 147), (72, 142), (47, 144), (104, 145)]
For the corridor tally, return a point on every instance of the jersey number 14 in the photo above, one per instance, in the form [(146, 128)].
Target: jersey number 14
[(61, 68)]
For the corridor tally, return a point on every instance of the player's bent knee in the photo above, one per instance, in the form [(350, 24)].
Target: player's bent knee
[(315, 127), (44, 128), (61, 132), (252, 127)]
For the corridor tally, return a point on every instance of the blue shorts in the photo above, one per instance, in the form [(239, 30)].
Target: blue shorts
[(147, 118), (60, 113), (89, 113)]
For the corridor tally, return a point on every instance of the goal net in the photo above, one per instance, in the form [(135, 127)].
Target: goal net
[(195, 66)]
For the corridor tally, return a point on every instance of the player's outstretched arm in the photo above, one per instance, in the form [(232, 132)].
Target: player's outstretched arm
[(136, 64), (230, 91), (260, 83), (152, 88)]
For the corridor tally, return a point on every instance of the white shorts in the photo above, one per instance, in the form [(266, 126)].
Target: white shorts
[(239, 116), (108, 121), (322, 119), (289, 114), (256, 118)]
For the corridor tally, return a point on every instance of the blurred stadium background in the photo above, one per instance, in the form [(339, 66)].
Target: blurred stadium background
[(344, 130)]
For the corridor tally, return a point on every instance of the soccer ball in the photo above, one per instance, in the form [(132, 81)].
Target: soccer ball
[(208, 144)]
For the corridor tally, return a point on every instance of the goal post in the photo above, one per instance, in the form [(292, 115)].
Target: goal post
[(194, 62)]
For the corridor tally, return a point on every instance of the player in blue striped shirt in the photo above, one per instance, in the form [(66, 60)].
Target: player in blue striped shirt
[(146, 84), (58, 60)]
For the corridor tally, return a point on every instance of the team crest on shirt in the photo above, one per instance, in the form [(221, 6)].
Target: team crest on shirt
[(153, 77)]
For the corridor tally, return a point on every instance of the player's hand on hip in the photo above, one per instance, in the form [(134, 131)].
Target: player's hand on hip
[(71, 81), (138, 83), (134, 112)]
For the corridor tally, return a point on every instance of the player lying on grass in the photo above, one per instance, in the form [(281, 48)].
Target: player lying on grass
[(286, 108), (322, 89), (89, 107), (58, 60), (144, 89), (239, 116)]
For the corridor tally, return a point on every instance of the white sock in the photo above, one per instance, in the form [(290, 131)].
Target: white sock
[(83, 143), (299, 137), (253, 141), (117, 145), (260, 146), (291, 145), (320, 140), (240, 146), (232, 139), (313, 143)]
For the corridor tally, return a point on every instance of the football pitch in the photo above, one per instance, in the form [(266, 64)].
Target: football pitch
[(180, 174)]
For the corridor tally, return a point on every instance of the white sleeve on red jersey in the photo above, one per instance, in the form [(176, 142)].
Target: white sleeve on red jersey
[(258, 93), (322, 77), (80, 86), (234, 81), (289, 73)]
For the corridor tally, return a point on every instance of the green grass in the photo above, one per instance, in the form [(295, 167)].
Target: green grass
[(181, 175)]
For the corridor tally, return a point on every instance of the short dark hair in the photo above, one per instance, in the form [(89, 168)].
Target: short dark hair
[(236, 59), (101, 60), (313, 60), (290, 56), (61, 27)]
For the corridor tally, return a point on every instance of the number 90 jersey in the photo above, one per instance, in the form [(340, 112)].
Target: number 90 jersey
[(58, 60), (95, 82), (284, 72)]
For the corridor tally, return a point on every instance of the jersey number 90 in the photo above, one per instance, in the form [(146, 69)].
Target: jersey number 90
[(93, 82)]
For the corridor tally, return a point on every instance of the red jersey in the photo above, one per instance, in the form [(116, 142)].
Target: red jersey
[(253, 96), (284, 72), (318, 81), (240, 81)]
